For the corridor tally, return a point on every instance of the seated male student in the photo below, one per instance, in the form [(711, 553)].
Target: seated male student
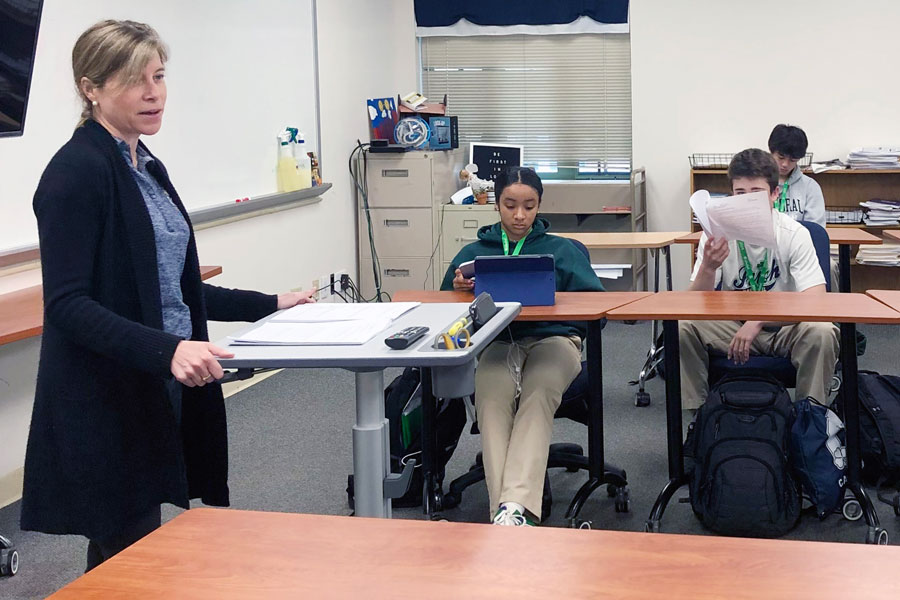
[(791, 266), (800, 196)]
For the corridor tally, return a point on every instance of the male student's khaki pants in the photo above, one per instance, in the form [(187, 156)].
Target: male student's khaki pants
[(515, 436), (812, 347)]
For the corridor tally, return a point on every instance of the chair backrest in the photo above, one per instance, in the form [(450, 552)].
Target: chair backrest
[(582, 248), (822, 245)]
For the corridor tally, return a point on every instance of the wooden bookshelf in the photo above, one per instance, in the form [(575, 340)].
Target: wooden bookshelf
[(843, 190)]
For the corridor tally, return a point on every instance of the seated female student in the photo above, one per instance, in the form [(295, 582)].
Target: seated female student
[(522, 375)]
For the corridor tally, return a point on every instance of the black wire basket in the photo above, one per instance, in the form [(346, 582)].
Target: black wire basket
[(719, 160)]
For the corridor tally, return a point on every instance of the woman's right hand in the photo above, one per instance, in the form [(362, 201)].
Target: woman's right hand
[(462, 284), (195, 364)]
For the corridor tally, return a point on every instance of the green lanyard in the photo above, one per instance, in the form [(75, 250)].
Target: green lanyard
[(519, 244), (781, 203), (756, 279)]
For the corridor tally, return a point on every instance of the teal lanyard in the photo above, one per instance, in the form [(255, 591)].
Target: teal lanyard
[(519, 244), (756, 279), (781, 203)]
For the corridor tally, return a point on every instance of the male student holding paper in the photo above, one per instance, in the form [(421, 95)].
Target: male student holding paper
[(791, 266)]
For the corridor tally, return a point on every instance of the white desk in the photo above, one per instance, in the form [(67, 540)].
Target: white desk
[(453, 376)]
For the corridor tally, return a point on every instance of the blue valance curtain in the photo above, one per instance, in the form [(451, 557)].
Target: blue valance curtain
[(443, 13)]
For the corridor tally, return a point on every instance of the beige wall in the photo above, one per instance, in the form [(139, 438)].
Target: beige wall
[(716, 76)]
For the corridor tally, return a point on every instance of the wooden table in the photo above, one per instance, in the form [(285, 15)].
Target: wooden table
[(844, 237), (893, 234), (848, 309), (22, 311), (889, 297), (570, 306), (221, 554), (651, 240)]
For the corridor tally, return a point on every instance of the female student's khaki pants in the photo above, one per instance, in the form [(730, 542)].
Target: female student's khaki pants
[(812, 348), (515, 435)]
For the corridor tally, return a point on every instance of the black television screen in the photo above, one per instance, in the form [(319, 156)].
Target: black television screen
[(19, 21)]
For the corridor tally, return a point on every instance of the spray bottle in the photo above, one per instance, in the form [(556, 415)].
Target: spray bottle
[(304, 164), (286, 168)]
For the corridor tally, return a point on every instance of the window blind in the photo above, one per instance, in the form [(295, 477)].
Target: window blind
[(565, 98)]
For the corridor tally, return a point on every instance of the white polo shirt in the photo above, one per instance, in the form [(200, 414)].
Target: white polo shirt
[(793, 264)]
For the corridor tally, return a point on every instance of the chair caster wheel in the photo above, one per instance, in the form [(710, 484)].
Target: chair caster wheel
[(623, 500), (877, 536), (451, 500), (851, 509), (641, 399), (439, 517), (611, 490), (579, 524), (897, 510), (9, 558), (651, 527)]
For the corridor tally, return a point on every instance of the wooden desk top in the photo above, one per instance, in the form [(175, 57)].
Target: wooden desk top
[(889, 297), (570, 306), (22, 311), (758, 306), (637, 239), (836, 235), (893, 235), (229, 554)]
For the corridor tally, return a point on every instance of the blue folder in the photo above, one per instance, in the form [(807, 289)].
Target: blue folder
[(528, 278)]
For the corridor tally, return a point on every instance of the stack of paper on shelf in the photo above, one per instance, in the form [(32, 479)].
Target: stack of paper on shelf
[(325, 325), (880, 213), (610, 270), (885, 256), (875, 158)]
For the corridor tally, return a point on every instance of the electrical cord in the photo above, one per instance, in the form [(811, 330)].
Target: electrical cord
[(360, 153), (430, 266)]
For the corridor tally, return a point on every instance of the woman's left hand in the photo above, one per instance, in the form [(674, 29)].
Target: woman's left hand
[(290, 299)]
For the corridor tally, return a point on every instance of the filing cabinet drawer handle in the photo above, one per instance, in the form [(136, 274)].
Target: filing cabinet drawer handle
[(396, 222), (396, 272), (467, 239), (470, 224), (395, 172)]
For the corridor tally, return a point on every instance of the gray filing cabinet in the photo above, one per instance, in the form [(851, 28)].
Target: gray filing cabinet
[(460, 228), (405, 193)]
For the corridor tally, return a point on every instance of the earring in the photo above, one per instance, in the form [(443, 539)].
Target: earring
[(94, 103)]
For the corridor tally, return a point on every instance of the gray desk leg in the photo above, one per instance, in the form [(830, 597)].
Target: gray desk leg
[(371, 447)]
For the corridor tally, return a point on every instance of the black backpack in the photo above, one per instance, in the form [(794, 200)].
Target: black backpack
[(741, 483), (879, 425), (450, 420)]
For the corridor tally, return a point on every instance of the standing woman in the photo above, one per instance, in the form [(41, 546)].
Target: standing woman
[(520, 380), (127, 413)]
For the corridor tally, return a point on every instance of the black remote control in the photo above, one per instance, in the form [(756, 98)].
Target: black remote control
[(403, 338)]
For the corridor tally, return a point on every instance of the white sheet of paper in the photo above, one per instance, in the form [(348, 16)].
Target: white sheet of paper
[(328, 312), (698, 202), (746, 217), (332, 333)]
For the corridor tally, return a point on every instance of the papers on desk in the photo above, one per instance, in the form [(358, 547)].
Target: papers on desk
[(325, 325), (881, 212), (610, 270), (331, 333), (883, 256), (745, 217), (875, 158), (322, 313)]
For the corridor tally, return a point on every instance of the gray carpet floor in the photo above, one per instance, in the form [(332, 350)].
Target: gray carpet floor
[(290, 451)]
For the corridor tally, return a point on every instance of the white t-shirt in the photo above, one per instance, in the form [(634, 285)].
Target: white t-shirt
[(793, 264)]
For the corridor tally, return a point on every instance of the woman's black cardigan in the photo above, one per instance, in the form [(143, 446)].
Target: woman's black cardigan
[(104, 446)]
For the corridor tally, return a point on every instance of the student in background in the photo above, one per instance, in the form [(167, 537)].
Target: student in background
[(520, 380), (127, 411), (792, 266), (800, 196)]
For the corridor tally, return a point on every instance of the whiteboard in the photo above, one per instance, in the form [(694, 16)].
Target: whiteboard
[(238, 72)]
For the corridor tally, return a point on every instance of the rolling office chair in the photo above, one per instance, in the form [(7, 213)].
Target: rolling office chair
[(570, 456), (779, 367)]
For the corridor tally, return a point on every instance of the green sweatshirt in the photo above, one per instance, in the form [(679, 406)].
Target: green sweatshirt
[(573, 272)]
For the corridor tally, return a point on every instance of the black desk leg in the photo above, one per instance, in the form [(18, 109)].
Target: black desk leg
[(844, 275), (667, 251), (850, 394), (432, 489), (674, 433), (599, 471)]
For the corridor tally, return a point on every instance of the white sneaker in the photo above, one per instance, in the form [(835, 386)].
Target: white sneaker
[(510, 517)]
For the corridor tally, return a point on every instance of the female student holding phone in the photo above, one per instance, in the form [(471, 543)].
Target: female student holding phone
[(521, 377)]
